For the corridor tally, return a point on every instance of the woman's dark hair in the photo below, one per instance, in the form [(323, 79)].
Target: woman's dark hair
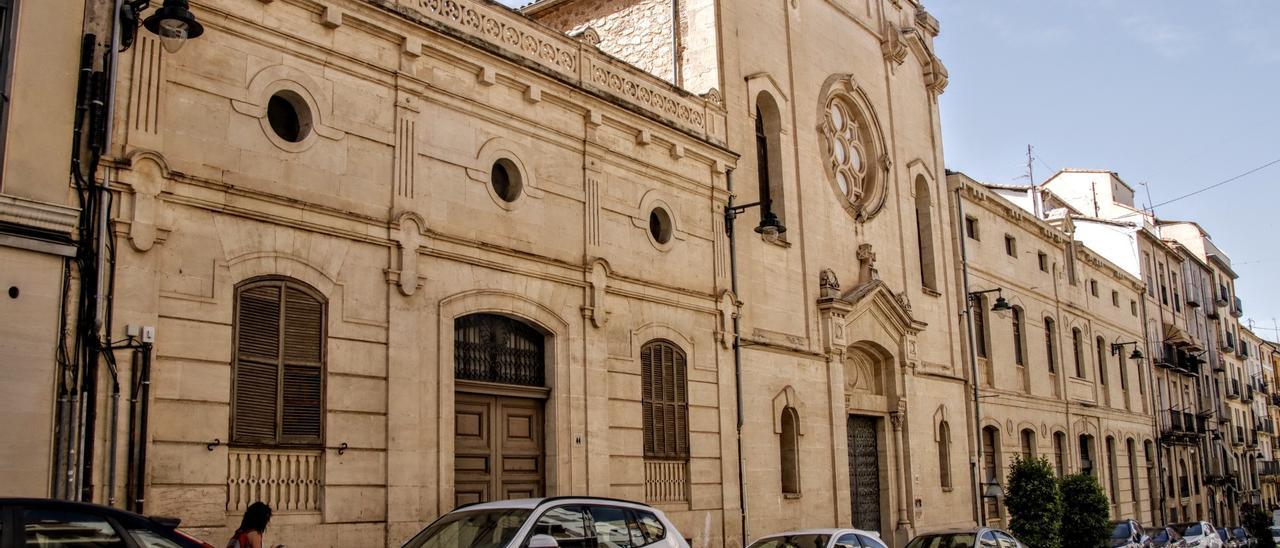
[(256, 518)]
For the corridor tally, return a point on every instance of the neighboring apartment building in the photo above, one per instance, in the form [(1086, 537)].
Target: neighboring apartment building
[(1239, 482), (1270, 472), (382, 258), (1058, 377), (40, 60)]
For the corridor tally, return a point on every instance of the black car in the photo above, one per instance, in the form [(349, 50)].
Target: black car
[(43, 522)]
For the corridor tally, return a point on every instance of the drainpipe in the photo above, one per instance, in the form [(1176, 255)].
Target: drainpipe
[(677, 75), (737, 353), (1151, 395), (973, 364)]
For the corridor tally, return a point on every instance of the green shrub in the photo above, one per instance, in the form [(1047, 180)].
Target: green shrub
[(1258, 523), (1086, 512), (1034, 503)]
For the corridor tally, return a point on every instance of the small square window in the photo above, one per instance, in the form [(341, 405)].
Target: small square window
[(971, 227), (1010, 246), (1115, 299), (1043, 259)]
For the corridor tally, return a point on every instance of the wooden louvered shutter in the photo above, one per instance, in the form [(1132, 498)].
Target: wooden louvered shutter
[(301, 392), (256, 382), (279, 365), (665, 401)]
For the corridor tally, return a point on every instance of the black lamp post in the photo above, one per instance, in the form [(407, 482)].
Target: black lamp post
[(173, 22), (1136, 355), (1001, 305)]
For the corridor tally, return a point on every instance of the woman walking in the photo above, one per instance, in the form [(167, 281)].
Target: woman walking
[(252, 526)]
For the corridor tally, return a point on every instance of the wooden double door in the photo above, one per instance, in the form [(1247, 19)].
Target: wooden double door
[(498, 448)]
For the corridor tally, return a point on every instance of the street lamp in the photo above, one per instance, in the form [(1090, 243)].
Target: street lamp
[(173, 22), (1136, 355), (1001, 305)]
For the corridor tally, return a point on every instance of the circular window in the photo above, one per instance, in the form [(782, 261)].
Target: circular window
[(851, 154), (289, 116), (660, 225), (505, 179)]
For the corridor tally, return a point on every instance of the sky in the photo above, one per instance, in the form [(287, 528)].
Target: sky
[(1174, 95)]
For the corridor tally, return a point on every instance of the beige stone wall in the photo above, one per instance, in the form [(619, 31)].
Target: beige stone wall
[(1105, 396), (35, 194)]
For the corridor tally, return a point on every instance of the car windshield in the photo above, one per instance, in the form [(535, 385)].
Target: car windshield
[(956, 540), (1161, 536), (475, 529), (1193, 530), (1275, 531), (793, 541), (1238, 532), (1121, 530)]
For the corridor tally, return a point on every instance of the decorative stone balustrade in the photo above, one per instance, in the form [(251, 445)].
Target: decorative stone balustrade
[(666, 481), (288, 481)]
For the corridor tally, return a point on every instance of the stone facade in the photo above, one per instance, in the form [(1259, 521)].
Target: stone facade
[(1052, 383)]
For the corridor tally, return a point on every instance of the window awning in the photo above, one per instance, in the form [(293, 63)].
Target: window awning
[(1175, 335)]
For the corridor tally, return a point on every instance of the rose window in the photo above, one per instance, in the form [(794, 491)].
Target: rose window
[(845, 152)]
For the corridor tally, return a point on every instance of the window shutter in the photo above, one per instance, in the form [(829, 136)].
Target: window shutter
[(256, 371), (303, 351), (665, 401)]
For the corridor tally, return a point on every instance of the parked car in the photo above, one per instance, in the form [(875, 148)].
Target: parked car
[(1199, 534), (1242, 538), (821, 538), (976, 538), (1127, 533), (44, 522), (566, 522), (1225, 535), (1167, 537), (1275, 535)]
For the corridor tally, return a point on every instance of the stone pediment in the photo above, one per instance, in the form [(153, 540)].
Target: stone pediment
[(876, 295)]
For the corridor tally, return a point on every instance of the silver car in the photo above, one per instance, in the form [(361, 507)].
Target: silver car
[(821, 538), (975, 538), (568, 522)]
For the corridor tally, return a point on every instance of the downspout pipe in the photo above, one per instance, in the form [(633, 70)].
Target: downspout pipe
[(1151, 395), (737, 353), (973, 362)]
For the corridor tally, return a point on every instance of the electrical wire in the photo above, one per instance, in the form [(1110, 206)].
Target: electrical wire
[(1218, 184)]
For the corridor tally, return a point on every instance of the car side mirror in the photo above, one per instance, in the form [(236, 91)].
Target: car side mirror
[(543, 541)]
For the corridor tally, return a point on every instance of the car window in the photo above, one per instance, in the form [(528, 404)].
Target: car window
[(492, 528), (849, 539), (871, 542), (152, 539), (1006, 541), (615, 528), (988, 539), (566, 524), (1193, 530), (58, 529), (958, 540), (650, 526), (794, 541)]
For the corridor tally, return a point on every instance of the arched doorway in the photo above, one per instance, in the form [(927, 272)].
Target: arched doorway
[(500, 383), (868, 393)]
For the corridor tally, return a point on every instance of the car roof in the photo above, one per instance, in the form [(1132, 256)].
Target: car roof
[(534, 503), (821, 531), (121, 515)]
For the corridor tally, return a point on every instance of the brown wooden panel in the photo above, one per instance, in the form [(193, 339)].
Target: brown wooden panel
[(498, 447)]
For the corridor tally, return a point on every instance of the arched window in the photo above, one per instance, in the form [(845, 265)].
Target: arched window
[(924, 235), (1131, 449), (991, 467), (1102, 360), (278, 373), (1019, 342), (1124, 370), (1028, 444), (944, 454), (497, 349), (1086, 454), (790, 447), (1060, 453), (980, 326), (1050, 351), (769, 157), (1077, 342), (1113, 471), (664, 397)]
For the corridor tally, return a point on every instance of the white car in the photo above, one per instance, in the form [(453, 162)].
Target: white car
[(821, 538), (1199, 534), (568, 522)]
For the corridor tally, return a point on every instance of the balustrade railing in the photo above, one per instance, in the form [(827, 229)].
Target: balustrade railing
[(666, 480), (288, 481)]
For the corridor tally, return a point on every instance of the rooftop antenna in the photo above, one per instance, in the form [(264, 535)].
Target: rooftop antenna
[(1031, 177), (1150, 209)]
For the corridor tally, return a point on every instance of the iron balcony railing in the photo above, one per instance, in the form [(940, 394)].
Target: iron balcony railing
[(1269, 468), (1239, 438), (1275, 399), (1221, 298), (1233, 390)]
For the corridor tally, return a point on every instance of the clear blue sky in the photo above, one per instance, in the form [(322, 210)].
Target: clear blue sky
[(1178, 94)]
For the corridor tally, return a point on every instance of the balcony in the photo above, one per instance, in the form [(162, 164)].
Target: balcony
[(1237, 307), (1248, 394), (1275, 400), (1221, 298), (1229, 343), (1238, 440), (1233, 390), (1269, 468), (1193, 300), (1212, 314), (1181, 427), (1220, 366)]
